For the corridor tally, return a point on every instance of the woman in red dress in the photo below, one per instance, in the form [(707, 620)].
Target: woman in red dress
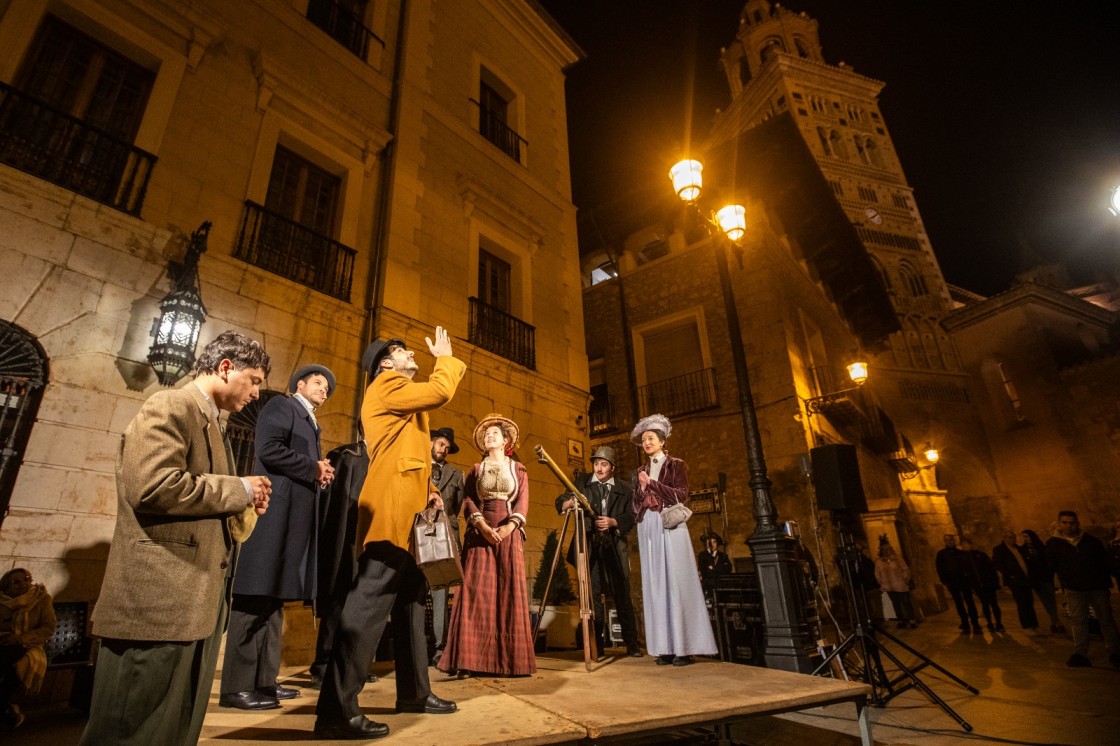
[(490, 631)]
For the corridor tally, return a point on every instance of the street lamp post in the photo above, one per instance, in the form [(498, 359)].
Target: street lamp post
[(789, 640)]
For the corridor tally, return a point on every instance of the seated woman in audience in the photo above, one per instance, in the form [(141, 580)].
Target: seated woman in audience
[(26, 623)]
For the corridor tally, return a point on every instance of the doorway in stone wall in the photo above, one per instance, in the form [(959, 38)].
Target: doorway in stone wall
[(23, 376), (242, 432)]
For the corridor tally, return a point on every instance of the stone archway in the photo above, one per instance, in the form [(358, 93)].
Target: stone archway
[(23, 376), (242, 430)]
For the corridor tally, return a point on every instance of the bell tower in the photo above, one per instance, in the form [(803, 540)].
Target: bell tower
[(775, 65)]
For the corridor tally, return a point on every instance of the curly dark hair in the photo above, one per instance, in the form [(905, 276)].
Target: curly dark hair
[(235, 347), (6, 578)]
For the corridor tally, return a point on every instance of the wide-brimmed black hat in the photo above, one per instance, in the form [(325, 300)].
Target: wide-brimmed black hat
[(308, 370), (446, 432), (378, 349)]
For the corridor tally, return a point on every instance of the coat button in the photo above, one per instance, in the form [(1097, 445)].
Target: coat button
[(224, 565)]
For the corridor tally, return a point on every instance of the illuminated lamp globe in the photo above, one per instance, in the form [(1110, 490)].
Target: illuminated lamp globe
[(687, 181), (176, 334), (931, 454), (732, 221), (857, 371)]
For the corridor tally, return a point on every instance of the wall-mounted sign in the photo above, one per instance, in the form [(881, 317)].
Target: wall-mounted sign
[(704, 501)]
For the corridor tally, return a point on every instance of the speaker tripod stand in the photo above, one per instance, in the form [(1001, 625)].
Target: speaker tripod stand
[(864, 640)]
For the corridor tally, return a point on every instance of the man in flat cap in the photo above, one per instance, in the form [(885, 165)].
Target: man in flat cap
[(398, 485), (278, 561), (448, 479), (607, 543)]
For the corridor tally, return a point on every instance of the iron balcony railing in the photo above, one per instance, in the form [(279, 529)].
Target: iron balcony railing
[(44, 141), (688, 393), (601, 415), (495, 330), (493, 128), (339, 23), (273, 242)]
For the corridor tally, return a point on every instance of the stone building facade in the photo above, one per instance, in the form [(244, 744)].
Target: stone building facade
[(370, 168)]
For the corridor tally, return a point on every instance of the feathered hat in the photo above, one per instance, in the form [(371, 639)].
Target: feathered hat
[(658, 423)]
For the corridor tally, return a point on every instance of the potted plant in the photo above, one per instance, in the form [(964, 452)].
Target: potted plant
[(560, 593)]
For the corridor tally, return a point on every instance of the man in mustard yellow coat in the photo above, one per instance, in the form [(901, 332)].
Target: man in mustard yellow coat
[(398, 485)]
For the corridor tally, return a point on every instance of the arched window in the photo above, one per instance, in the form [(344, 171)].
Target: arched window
[(912, 281), (929, 343), (861, 151), (917, 351), (826, 146), (886, 278), (242, 432), (802, 49), (839, 147), (770, 48), (949, 352), (874, 154), (23, 375)]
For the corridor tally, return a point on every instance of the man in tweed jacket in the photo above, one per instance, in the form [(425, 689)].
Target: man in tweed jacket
[(180, 513)]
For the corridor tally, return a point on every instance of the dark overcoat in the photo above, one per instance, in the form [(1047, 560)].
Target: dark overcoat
[(618, 507), (1014, 574), (338, 522), (450, 486), (279, 559)]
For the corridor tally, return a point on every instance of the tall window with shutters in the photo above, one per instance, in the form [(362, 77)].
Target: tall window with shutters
[(675, 376), (493, 281)]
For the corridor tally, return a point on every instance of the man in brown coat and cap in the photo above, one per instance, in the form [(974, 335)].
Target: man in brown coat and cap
[(398, 485), (180, 513)]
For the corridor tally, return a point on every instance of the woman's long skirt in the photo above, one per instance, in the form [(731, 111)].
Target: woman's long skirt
[(490, 626), (676, 617)]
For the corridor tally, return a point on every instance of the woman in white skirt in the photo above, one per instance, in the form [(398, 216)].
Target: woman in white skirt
[(676, 618)]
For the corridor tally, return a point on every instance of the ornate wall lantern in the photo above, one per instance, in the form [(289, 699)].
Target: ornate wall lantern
[(181, 315)]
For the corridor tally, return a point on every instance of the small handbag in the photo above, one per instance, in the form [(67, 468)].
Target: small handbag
[(675, 515), (434, 547)]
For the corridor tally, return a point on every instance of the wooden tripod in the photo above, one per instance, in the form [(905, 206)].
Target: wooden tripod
[(583, 572)]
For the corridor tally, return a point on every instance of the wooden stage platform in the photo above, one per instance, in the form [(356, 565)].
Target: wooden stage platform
[(622, 699)]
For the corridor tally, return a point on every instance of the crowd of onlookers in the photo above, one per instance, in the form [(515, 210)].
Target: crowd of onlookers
[(1078, 563)]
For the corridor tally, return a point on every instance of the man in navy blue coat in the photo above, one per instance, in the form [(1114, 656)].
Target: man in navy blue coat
[(278, 561)]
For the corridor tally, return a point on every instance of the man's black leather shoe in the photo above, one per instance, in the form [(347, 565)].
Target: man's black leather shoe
[(432, 705), (278, 692), (357, 728), (634, 651), (248, 701)]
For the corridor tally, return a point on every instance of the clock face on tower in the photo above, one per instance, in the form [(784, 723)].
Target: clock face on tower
[(873, 215)]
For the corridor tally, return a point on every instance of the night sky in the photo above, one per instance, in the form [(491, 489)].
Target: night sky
[(1005, 114)]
